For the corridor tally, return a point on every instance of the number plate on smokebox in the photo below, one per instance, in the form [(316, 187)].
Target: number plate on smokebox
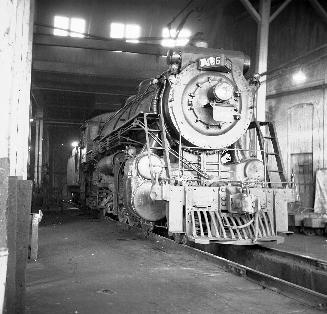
[(217, 63)]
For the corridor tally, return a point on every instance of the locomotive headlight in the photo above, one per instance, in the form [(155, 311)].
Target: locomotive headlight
[(223, 91)]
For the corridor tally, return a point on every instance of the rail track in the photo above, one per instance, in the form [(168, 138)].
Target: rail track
[(267, 267), (301, 270)]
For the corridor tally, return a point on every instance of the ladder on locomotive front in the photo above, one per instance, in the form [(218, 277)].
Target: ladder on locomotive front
[(267, 139)]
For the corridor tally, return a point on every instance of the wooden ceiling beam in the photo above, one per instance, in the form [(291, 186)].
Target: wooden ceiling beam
[(96, 44), (319, 8), (263, 19), (251, 9), (77, 91), (279, 10)]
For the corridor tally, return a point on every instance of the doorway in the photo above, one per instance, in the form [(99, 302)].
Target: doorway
[(300, 150)]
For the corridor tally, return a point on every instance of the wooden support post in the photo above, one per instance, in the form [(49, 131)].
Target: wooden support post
[(12, 243), (21, 30), (18, 226), (36, 152), (263, 19), (324, 108), (40, 160), (24, 199), (38, 148), (262, 57), (16, 31), (3, 268), (4, 172)]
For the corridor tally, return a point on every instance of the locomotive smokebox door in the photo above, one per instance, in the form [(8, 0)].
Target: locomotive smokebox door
[(223, 114), (210, 108)]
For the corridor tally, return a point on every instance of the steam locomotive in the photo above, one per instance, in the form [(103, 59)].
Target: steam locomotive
[(187, 155)]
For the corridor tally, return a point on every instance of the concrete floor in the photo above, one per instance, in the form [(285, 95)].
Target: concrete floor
[(92, 266)]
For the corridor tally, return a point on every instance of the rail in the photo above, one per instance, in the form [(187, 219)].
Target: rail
[(304, 295)]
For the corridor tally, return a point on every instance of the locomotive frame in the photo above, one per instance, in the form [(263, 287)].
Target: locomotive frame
[(157, 178)]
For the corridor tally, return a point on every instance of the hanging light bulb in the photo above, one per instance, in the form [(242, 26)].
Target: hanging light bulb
[(74, 144), (299, 77)]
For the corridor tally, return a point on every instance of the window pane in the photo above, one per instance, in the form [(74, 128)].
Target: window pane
[(61, 22), (169, 34), (117, 30), (132, 31), (77, 25), (183, 37)]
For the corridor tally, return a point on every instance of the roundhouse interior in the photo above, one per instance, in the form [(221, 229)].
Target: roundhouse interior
[(63, 63)]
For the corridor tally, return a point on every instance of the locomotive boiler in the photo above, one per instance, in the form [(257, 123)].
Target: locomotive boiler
[(186, 154)]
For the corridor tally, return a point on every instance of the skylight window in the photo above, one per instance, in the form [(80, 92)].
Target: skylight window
[(169, 35), (131, 32), (75, 26), (61, 22), (117, 30)]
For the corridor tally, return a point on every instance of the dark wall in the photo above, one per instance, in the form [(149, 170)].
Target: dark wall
[(296, 31)]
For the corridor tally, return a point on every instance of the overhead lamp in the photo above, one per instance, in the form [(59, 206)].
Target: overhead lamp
[(299, 77), (74, 144)]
